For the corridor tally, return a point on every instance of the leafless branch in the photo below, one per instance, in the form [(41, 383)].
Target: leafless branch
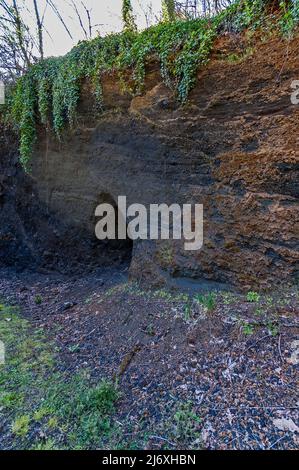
[(39, 24), (59, 16)]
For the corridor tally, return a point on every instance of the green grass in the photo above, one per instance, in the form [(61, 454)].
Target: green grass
[(208, 300), (43, 408), (238, 58), (38, 300), (20, 426), (253, 297), (248, 329)]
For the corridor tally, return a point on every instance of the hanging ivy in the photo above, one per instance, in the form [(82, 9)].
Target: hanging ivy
[(128, 17), (49, 93)]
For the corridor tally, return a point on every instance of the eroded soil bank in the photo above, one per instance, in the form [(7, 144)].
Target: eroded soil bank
[(232, 148), (192, 372)]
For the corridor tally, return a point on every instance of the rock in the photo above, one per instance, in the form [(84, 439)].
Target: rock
[(285, 424), (68, 305), (294, 359)]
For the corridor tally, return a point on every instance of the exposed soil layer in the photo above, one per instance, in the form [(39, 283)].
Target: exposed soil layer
[(31, 236), (236, 364)]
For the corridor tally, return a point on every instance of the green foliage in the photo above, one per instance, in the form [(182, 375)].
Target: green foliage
[(50, 91), (273, 329), (252, 297), (41, 413), (251, 13), (38, 300), (35, 396), (290, 16), (84, 411), (238, 58), (248, 329), (207, 300), (23, 113), (10, 400), (185, 423), (49, 444), (187, 311), (20, 426)]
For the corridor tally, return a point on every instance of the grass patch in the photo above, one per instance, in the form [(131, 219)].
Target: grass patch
[(247, 329), (20, 426), (238, 58), (253, 297), (43, 408), (183, 427), (209, 300)]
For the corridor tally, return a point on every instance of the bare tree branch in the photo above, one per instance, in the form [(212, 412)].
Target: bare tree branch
[(20, 32), (88, 14)]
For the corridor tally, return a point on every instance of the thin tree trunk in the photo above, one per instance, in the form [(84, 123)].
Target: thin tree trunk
[(19, 31), (39, 30)]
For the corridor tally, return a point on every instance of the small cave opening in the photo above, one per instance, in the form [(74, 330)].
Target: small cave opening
[(118, 249)]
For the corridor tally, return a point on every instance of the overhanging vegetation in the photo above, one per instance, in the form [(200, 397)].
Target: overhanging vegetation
[(50, 91)]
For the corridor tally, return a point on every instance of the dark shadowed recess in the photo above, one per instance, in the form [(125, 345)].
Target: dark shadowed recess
[(31, 237)]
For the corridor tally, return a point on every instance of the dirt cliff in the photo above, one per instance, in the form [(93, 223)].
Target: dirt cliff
[(232, 148)]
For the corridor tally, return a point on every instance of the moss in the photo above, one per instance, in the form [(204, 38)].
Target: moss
[(20, 426)]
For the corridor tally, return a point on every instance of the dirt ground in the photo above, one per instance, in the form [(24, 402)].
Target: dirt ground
[(232, 361)]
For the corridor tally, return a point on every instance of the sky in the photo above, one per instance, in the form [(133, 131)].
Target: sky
[(105, 13)]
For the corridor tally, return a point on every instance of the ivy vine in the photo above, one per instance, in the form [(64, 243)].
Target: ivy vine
[(50, 91)]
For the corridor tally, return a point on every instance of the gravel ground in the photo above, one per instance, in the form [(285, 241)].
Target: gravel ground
[(234, 365)]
